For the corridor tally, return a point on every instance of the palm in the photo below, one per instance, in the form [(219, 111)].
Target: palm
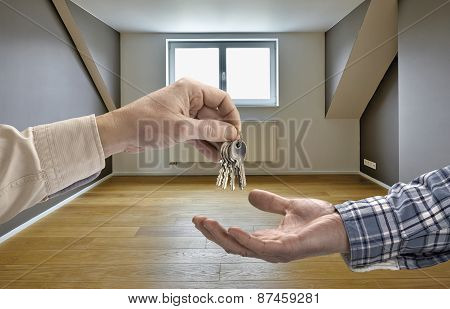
[(303, 211), (309, 227)]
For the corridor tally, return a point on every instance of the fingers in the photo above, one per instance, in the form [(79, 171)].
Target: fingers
[(213, 98), (198, 221), (223, 239), (209, 113), (256, 244), (217, 99), (237, 241), (213, 130), (208, 102), (216, 233), (207, 149), (269, 202)]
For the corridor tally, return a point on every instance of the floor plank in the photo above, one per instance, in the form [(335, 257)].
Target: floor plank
[(174, 231), (86, 221), (82, 210), (41, 229), (31, 243), (25, 257), (145, 272), (114, 232), (305, 270), (11, 272), (124, 220), (158, 256), (414, 284), (146, 256), (102, 243)]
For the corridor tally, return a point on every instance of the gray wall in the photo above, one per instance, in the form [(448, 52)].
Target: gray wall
[(302, 96), (379, 123), (410, 110), (339, 42), (424, 87), (104, 45), (42, 78), (379, 130)]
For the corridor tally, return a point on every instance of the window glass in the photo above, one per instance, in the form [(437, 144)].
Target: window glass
[(201, 64), (248, 73)]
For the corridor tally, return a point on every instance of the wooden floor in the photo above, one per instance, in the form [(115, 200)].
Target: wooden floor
[(136, 232)]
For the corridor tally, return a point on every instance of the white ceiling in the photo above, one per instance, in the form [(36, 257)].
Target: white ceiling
[(219, 15)]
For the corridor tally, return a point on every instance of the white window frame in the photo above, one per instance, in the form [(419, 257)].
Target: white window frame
[(222, 44)]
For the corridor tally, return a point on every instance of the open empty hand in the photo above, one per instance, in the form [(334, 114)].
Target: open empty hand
[(309, 227)]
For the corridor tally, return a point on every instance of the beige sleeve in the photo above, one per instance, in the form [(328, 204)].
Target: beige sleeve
[(43, 160)]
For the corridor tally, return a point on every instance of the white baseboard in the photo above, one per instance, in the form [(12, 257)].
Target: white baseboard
[(375, 181), (52, 209)]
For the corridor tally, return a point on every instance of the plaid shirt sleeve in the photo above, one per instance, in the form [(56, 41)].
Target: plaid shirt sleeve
[(406, 229)]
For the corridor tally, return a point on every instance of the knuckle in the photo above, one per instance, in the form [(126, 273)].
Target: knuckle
[(186, 82), (226, 98), (183, 81)]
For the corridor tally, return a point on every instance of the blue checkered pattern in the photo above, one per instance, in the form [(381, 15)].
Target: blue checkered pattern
[(408, 228)]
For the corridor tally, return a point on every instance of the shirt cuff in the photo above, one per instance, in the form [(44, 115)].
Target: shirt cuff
[(373, 234), (75, 185), (69, 151)]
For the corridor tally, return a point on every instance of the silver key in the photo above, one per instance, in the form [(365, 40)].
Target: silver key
[(232, 178), (242, 178), (237, 155), (222, 168), (227, 166), (219, 177), (232, 166)]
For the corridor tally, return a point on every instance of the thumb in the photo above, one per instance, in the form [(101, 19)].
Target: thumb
[(213, 130), (269, 202)]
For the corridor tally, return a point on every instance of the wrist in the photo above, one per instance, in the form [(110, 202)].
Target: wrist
[(343, 243), (110, 135)]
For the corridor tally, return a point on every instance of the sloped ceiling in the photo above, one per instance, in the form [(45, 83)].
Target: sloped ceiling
[(373, 51), (91, 65)]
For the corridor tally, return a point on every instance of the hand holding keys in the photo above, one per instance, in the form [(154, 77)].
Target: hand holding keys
[(232, 164)]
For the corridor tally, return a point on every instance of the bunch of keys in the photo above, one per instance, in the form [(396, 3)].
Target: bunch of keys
[(232, 164)]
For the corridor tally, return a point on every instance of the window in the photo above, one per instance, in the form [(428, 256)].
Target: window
[(246, 69)]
